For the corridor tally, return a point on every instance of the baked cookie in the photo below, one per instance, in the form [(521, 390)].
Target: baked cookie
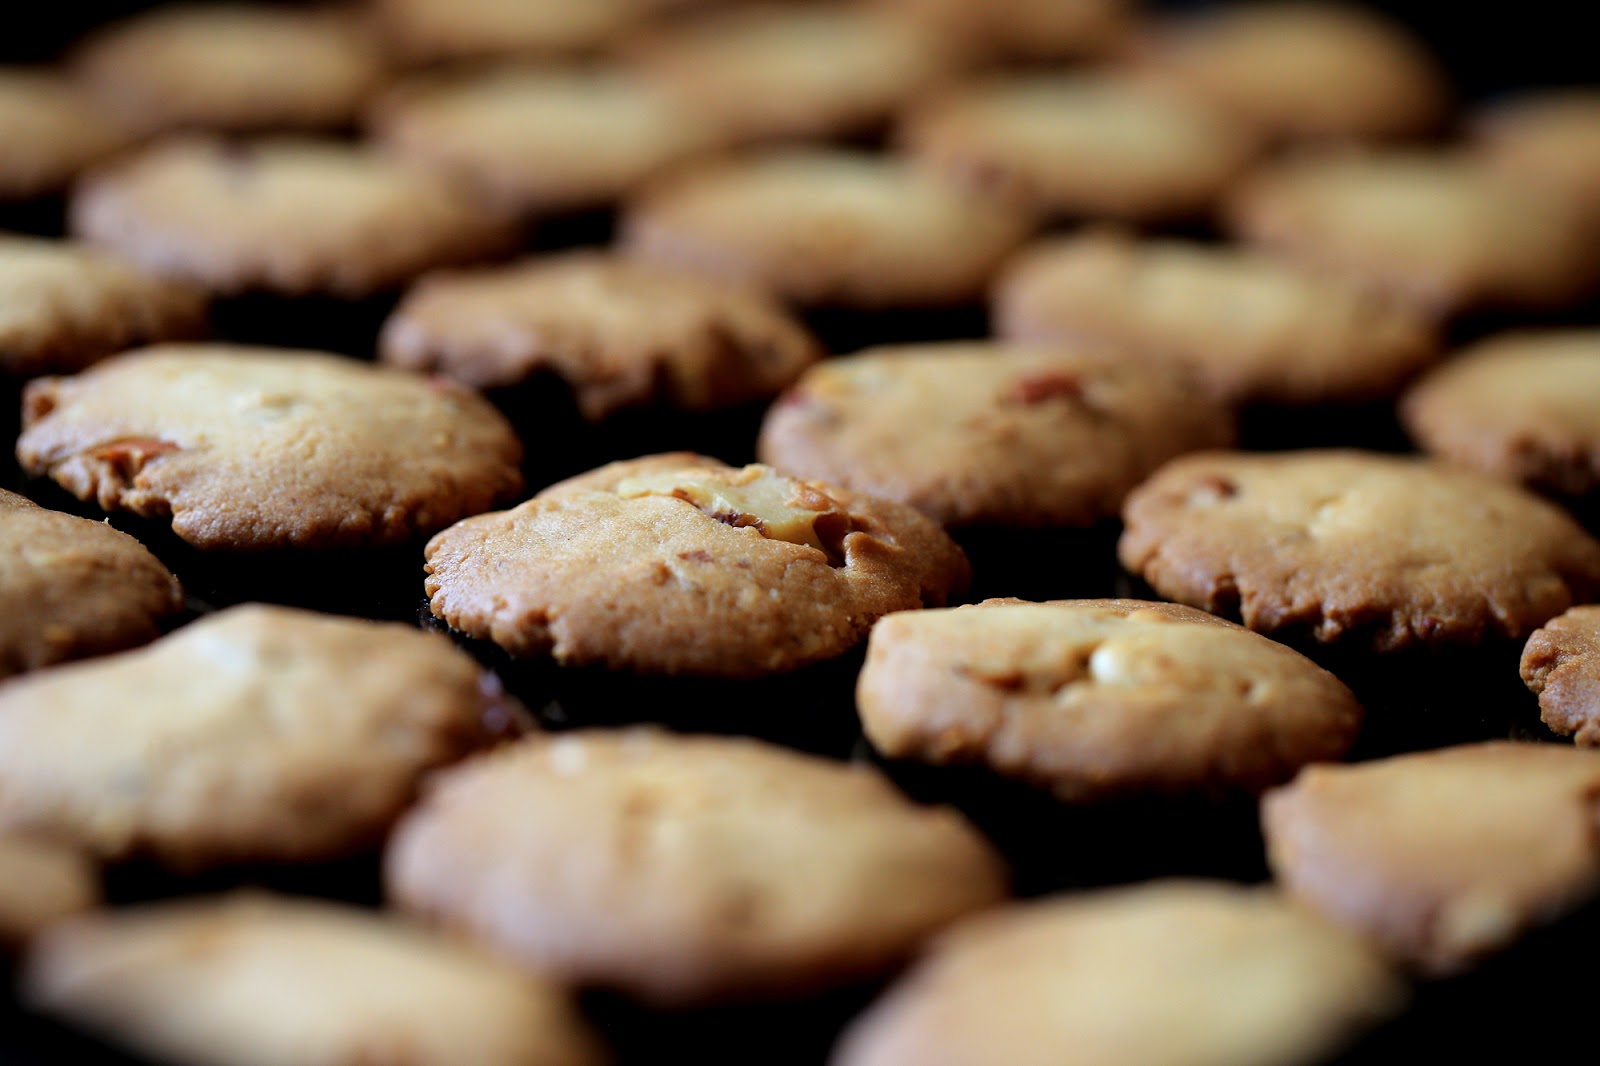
[(1255, 330), (257, 734), (686, 870), (234, 66), (41, 883), (1300, 70), (1561, 665), (428, 31), (620, 333), (288, 216), (1171, 973), (82, 587), (1027, 29), (681, 564), (1386, 552), (253, 448), (1441, 857), (825, 228), (986, 434), (256, 980), (64, 306), (1548, 141), (1080, 146), (52, 131), (1436, 229), (1093, 699)]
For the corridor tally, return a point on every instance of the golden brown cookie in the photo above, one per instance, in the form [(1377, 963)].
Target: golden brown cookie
[(52, 130), (686, 870), (251, 448), (1381, 551), (427, 31), (1547, 140), (1561, 665), (1027, 29), (41, 882)]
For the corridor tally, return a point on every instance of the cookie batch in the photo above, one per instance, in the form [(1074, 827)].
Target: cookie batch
[(865, 532)]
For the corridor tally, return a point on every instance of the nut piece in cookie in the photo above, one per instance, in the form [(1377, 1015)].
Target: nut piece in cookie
[(41, 882), (52, 131), (257, 734), (685, 870), (1443, 857), (1561, 665)]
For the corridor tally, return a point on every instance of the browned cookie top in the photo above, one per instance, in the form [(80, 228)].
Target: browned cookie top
[(1376, 550), (1547, 140), (52, 130), (428, 31), (680, 564), (1027, 29), (251, 448), (977, 433), (620, 333), (1561, 664), (1253, 328), (41, 882)]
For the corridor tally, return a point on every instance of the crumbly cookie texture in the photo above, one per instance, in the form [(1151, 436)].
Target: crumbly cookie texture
[(253, 448), (985, 434), (41, 883), (1093, 699), (620, 333), (433, 31), (257, 734), (52, 131), (1170, 973), (686, 870), (1343, 546), (82, 587), (1444, 857), (1561, 665), (680, 564), (259, 980)]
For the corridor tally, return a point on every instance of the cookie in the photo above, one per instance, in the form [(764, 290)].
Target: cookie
[(431, 31), (1377, 551), (1546, 140), (41, 883), (1444, 857), (1027, 29), (52, 131), (1561, 665), (1300, 70), (256, 734), (678, 564), (1093, 699), (84, 587), (253, 448), (1080, 146), (64, 306), (256, 980), (1435, 229), (1172, 973), (825, 228), (686, 870), (294, 217), (241, 67), (1255, 330)]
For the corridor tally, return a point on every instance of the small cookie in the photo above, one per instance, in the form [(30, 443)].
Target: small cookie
[(620, 333), (1435, 229), (252, 448), (241, 67), (1548, 141), (1561, 665), (1253, 329), (257, 734), (41, 882), (429, 31), (288, 216), (52, 131), (686, 870), (826, 228), (1080, 146), (83, 588), (1172, 973), (64, 306), (1092, 699), (1442, 857), (1027, 29), (681, 564), (1383, 551), (255, 980), (984, 434)]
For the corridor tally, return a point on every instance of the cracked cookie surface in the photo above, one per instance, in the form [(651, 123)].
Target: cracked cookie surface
[(1561, 665)]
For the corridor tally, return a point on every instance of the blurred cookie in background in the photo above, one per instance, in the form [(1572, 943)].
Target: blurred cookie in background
[(1547, 140), (52, 131), (441, 31), (1027, 29), (41, 883)]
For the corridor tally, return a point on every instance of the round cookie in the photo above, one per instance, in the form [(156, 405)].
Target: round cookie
[(620, 333), (86, 588), (254, 448), (1253, 329), (678, 564), (52, 130), (1171, 973), (64, 306), (686, 870), (1432, 228), (1384, 552), (1442, 857), (41, 882), (1093, 699), (1561, 665), (257, 980), (431, 31), (1548, 141), (288, 216), (257, 734), (1027, 29), (986, 434), (1080, 146), (825, 228)]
